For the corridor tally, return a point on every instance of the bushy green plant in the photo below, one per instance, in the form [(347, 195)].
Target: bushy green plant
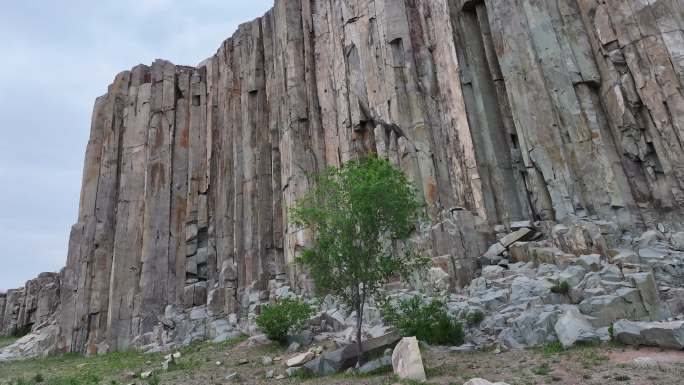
[(357, 212), (474, 318), (288, 315), (562, 287), (428, 322)]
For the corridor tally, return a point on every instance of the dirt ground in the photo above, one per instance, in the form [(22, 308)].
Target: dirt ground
[(209, 364)]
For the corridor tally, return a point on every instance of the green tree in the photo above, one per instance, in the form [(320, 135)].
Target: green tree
[(357, 213)]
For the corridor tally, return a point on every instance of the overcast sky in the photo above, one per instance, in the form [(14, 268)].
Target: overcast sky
[(57, 57)]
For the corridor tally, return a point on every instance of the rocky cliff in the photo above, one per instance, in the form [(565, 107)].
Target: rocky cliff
[(499, 110)]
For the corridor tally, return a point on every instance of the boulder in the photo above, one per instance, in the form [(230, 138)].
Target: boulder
[(591, 262), (407, 361), (626, 302), (646, 284), (437, 280), (299, 359), (523, 288), (572, 275), (40, 343), (678, 241), (376, 364), (493, 254), (626, 256), (518, 235), (535, 326), (573, 327), (480, 381), (650, 238), (491, 300), (668, 335), (303, 338), (347, 356)]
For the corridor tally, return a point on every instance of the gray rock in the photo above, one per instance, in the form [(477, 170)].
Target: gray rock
[(491, 300), (300, 359), (303, 338), (591, 262), (626, 256), (523, 288), (573, 275), (678, 241), (376, 364), (669, 335), (624, 303), (518, 235), (573, 327), (407, 361), (480, 381)]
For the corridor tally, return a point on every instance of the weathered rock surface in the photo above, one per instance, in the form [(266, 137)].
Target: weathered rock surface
[(504, 114), (31, 307), (407, 361), (669, 335)]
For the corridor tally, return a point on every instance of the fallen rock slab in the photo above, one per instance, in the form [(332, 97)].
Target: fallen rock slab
[(346, 357), (407, 361), (668, 335), (300, 359)]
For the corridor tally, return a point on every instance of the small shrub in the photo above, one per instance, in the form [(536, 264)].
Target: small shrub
[(38, 378), (427, 322), (286, 316), (553, 348), (562, 287), (474, 318)]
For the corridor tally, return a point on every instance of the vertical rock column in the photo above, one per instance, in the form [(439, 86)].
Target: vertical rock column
[(125, 274), (85, 293), (3, 302)]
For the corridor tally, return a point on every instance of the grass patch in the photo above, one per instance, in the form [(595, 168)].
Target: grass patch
[(562, 287), (553, 348), (73, 369), (592, 357), (233, 341), (542, 370), (7, 341)]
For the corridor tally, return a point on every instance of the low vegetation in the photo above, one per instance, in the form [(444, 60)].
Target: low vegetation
[(562, 287), (474, 318), (208, 363), (429, 322), (287, 316), (6, 341)]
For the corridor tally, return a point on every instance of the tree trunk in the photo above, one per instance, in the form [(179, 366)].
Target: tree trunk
[(359, 325)]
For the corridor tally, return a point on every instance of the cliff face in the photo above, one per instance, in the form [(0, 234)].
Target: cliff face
[(499, 110), (30, 307)]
